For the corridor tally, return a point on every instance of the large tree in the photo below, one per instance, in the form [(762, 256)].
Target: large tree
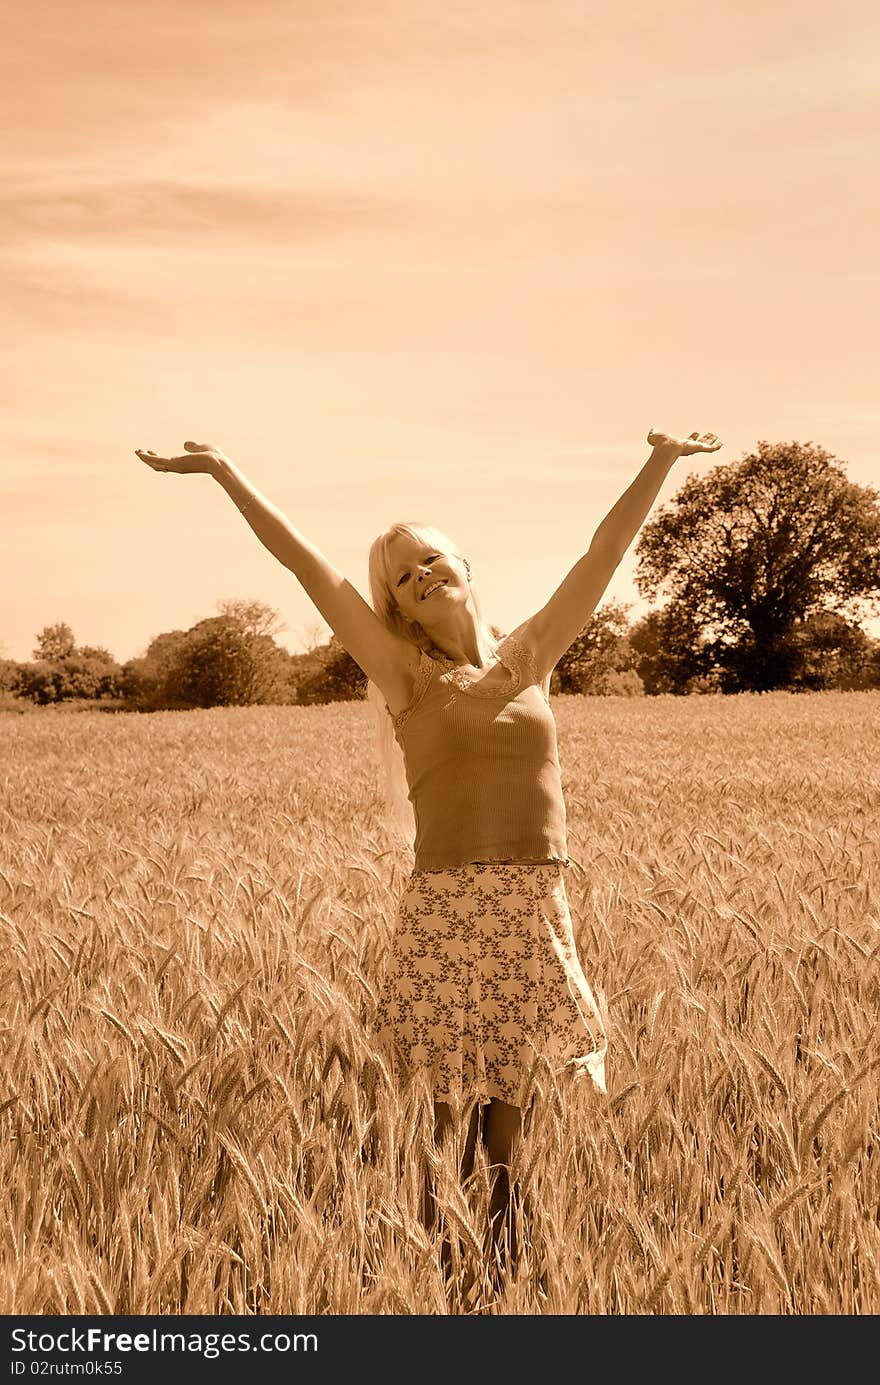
[(756, 547)]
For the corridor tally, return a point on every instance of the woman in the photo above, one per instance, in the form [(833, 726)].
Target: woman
[(484, 983)]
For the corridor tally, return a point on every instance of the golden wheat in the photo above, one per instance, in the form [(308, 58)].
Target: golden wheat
[(195, 910)]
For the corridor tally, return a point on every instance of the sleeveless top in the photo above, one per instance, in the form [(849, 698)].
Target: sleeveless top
[(482, 766)]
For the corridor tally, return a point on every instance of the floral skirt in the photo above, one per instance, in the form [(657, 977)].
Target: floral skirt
[(484, 987)]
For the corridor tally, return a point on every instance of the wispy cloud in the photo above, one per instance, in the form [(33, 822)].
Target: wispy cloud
[(135, 210)]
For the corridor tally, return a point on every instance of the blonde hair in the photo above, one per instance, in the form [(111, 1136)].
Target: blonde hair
[(390, 756)]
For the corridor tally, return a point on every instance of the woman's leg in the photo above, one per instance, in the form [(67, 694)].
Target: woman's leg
[(444, 1124), (503, 1125)]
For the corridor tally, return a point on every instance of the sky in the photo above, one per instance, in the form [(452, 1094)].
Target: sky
[(412, 259)]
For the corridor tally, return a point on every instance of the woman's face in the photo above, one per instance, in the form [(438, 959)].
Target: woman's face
[(424, 580)]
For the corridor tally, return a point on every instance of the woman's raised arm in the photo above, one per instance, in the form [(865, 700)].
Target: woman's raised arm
[(553, 629), (386, 658)]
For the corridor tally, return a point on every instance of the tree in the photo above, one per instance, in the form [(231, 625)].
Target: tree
[(337, 678), (210, 665), (610, 682), (75, 677), (755, 547), (218, 664), (829, 652), (8, 675), (263, 673), (314, 634), (226, 660), (598, 659), (55, 642), (144, 680), (62, 672), (668, 652), (254, 618), (97, 652)]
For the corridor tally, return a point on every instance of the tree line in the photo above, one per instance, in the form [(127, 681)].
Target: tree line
[(231, 659), (765, 568)]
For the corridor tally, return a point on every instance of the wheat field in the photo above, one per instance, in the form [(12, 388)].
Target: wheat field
[(195, 911)]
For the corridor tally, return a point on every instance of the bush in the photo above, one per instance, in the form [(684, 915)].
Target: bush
[(668, 655), (612, 683), (335, 678), (74, 676), (827, 652), (8, 675), (703, 683), (10, 703), (600, 652)]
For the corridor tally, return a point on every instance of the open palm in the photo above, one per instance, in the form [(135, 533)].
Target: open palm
[(685, 447), (197, 457)]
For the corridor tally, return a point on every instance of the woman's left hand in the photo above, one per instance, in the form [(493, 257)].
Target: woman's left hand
[(199, 457), (684, 447)]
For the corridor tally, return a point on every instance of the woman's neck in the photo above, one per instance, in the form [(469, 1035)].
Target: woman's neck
[(465, 643)]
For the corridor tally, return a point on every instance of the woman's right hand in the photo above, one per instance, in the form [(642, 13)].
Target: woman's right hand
[(198, 457)]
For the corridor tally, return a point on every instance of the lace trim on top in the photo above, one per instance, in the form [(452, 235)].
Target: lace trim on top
[(523, 657), (520, 666), (424, 673)]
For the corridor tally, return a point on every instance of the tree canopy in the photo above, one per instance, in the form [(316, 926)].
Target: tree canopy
[(55, 642), (601, 660), (755, 548), (225, 660)]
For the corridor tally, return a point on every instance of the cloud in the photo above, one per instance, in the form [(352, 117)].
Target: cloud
[(77, 212), (98, 253)]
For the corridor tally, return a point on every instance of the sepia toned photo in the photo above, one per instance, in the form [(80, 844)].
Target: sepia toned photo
[(439, 666)]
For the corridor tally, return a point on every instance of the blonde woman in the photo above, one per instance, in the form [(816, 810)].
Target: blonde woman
[(483, 984)]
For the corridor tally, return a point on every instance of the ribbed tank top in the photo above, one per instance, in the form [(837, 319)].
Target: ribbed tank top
[(482, 767)]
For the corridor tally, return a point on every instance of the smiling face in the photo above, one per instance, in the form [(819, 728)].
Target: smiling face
[(424, 579)]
